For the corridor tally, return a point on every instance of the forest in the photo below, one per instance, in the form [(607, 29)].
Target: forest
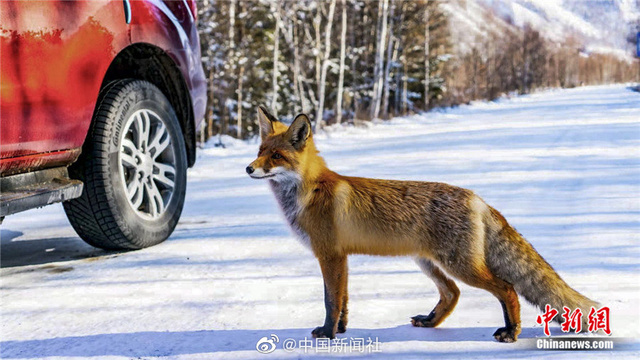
[(349, 61)]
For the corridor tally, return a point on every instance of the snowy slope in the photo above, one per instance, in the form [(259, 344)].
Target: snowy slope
[(562, 166), (600, 25)]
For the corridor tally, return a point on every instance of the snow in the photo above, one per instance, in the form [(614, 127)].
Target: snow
[(601, 25), (562, 166), (557, 14)]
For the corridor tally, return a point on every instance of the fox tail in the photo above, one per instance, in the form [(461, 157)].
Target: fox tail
[(513, 259)]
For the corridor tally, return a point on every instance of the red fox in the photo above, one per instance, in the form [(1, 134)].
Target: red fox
[(450, 231)]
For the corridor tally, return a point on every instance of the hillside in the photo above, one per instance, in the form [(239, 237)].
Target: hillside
[(601, 26)]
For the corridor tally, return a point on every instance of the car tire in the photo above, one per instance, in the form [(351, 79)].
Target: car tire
[(134, 168)]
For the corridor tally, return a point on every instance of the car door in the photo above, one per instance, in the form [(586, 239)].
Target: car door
[(54, 57)]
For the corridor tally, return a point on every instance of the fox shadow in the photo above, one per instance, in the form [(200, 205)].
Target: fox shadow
[(174, 343)]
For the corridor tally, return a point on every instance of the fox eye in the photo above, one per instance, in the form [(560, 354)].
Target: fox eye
[(276, 156)]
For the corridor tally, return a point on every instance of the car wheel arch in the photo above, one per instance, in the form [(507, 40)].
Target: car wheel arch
[(143, 61)]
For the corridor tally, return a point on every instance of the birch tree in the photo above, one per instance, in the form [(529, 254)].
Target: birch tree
[(239, 111), (325, 65), (374, 48), (276, 62), (427, 70), (380, 46), (390, 42), (297, 73), (232, 58), (317, 22), (343, 40)]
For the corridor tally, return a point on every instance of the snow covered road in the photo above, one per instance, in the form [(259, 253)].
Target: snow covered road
[(563, 166)]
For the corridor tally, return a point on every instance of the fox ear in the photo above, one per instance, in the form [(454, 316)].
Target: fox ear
[(299, 131), (265, 120)]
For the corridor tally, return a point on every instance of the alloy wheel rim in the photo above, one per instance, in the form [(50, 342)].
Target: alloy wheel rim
[(147, 164)]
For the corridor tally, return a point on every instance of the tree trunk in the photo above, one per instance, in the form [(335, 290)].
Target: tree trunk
[(240, 82), (211, 107), (398, 93), (232, 46), (223, 125), (427, 70), (203, 128), (377, 84), (232, 23), (387, 68), (276, 57), (354, 98), (298, 85), (317, 21), (325, 65), (405, 77), (398, 55), (372, 48), (343, 39)]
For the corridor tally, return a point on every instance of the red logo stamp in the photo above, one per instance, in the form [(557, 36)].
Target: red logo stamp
[(598, 319)]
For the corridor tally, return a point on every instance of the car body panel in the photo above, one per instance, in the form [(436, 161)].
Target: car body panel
[(170, 25), (55, 55)]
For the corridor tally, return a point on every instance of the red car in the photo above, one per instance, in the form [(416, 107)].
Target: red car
[(100, 102)]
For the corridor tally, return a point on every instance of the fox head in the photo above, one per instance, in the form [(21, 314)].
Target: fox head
[(286, 153)]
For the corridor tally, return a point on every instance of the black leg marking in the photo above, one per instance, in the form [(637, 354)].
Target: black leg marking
[(424, 320), (508, 332)]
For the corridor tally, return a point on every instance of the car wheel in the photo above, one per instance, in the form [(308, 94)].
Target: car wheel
[(133, 166)]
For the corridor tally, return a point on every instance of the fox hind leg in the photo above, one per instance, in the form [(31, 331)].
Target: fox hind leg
[(483, 278), (508, 298), (449, 294)]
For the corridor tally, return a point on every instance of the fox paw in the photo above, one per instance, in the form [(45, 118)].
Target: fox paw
[(322, 332), (342, 327), (506, 334), (424, 320)]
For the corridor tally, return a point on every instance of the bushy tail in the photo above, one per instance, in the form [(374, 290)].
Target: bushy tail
[(513, 259)]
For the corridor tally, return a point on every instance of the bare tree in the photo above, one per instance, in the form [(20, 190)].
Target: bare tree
[(232, 57), (397, 53), (405, 85), (427, 70), (325, 65), (317, 22), (211, 96), (298, 81), (276, 63), (343, 41), (380, 46), (387, 68), (240, 82)]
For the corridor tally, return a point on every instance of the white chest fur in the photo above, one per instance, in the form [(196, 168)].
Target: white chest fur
[(287, 196)]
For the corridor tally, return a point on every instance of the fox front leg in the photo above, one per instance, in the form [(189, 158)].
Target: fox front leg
[(344, 314), (334, 272)]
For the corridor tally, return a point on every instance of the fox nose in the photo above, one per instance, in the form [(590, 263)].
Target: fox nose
[(250, 170)]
